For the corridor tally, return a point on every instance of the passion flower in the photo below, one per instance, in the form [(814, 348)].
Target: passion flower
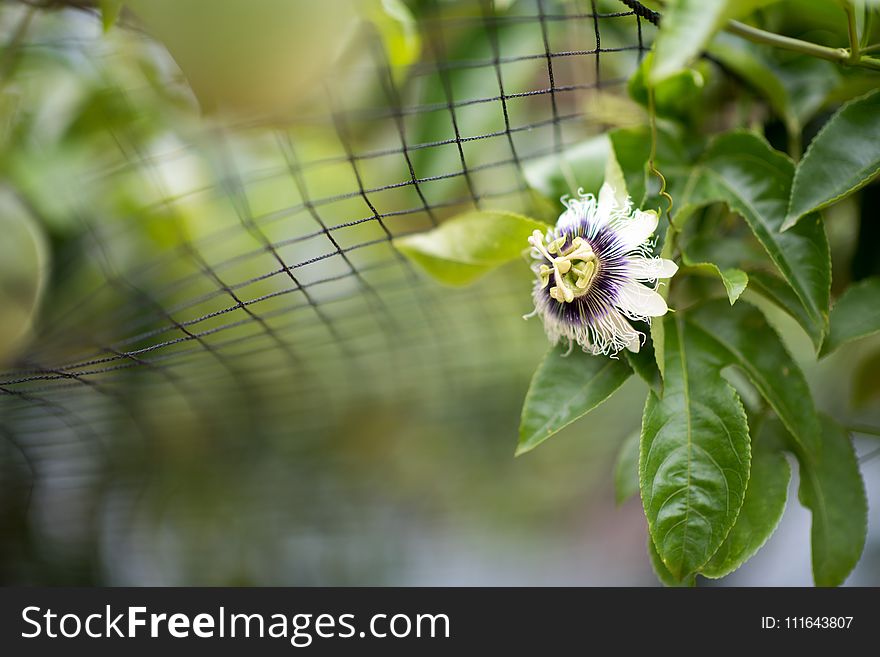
[(592, 270)]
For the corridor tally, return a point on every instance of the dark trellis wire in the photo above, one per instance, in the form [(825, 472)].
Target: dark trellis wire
[(141, 339)]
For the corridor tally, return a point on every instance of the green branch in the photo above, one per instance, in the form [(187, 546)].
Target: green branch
[(854, 52), (839, 55)]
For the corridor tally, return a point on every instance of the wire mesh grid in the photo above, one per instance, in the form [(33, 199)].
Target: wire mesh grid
[(364, 187), (267, 275)]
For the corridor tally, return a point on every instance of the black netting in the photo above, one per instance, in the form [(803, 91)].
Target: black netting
[(154, 319), (253, 290)]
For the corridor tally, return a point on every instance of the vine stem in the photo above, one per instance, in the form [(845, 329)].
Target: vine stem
[(839, 55), (854, 56), (652, 117), (672, 231), (854, 45)]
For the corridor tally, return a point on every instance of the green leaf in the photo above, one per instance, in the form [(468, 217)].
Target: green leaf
[(745, 59), (24, 257), (565, 388), (658, 338), (763, 506), (644, 362), (842, 158), (675, 97), (735, 250), (809, 83), (795, 88), (741, 336), (855, 315), (632, 148), (662, 571), (734, 280), (832, 488), (773, 288), (626, 470), (694, 454), (687, 27), (470, 245), (742, 170), (658, 334), (110, 10), (615, 178), (399, 33), (583, 165)]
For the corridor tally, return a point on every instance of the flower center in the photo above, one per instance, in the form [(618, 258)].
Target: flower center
[(574, 267)]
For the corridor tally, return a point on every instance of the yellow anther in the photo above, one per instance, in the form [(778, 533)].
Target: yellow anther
[(585, 275), (583, 252), (578, 259), (589, 268), (561, 294)]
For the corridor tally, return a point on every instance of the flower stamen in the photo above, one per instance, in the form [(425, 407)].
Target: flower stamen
[(578, 259), (595, 273)]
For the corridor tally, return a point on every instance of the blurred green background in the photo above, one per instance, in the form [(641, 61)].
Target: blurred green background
[(214, 367)]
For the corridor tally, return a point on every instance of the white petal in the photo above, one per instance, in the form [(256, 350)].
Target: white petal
[(607, 204), (613, 332), (635, 231), (650, 269), (568, 219), (637, 300)]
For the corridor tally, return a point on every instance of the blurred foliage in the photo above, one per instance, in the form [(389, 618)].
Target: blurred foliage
[(379, 454), (23, 269), (362, 433)]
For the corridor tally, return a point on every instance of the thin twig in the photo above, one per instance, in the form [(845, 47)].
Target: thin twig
[(652, 117), (838, 55)]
